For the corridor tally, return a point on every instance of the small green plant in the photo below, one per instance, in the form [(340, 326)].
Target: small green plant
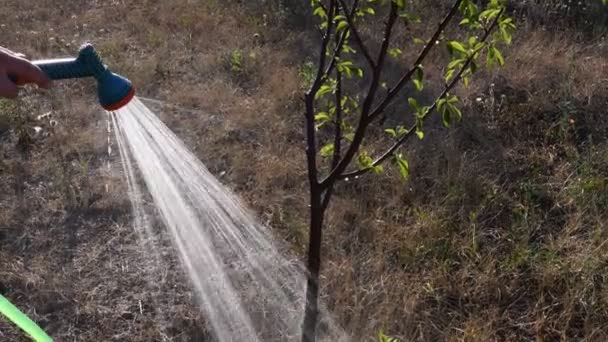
[(8, 111), (384, 338), (156, 38), (187, 21), (236, 61)]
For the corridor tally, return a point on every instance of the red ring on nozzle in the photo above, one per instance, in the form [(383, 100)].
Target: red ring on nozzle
[(121, 103)]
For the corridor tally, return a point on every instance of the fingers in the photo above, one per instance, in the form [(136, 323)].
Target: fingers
[(26, 72), (7, 87), (20, 68)]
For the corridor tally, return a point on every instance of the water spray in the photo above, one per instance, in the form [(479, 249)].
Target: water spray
[(114, 91)]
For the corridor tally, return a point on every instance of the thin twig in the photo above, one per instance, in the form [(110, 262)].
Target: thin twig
[(425, 51), (355, 32), (337, 136), (341, 41), (311, 144), (412, 129)]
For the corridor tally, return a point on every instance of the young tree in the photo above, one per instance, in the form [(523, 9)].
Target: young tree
[(337, 123)]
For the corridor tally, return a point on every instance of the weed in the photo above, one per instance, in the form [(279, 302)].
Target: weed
[(156, 38), (236, 61), (186, 21), (110, 49), (589, 184)]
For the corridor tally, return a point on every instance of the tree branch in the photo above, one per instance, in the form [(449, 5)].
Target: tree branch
[(341, 41), (351, 24), (425, 51), (412, 129), (323, 7), (311, 145), (369, 99), (337, 136)]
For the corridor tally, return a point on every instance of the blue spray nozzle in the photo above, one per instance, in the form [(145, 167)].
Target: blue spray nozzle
[(114, 91)]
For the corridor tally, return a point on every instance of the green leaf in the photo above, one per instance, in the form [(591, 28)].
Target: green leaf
[(404, 167), (347, 71), (447, 108), (320, 12), (455, 63), (424, 110), (365, 161), (490, 58), (323, 90), (341, 26), (472, 41), (494, 55), (441, 104), (414, 104), (473, 67), (346, 63), (391, 132), (449, 74), (369, 10), (445, 117), (489, 14), (378, 169), (419, 41), (384, 338), (395, 52), (418, 78), (456, 112), (411, 17), (401, 130), (322, 116), (506, 36), (348, 49), (419, 132), (472, 8), (456, 46), (343, 101), (498, 56), (399, 3), (327, 150)]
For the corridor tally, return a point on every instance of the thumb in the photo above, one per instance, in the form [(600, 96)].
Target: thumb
[(26, 72)]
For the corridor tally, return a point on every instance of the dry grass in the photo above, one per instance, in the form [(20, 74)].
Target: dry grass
[(499, 235)]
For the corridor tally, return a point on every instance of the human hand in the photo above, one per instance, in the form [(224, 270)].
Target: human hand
[(15, 65)]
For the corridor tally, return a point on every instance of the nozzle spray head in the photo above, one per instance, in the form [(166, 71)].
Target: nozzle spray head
[(114, 91)]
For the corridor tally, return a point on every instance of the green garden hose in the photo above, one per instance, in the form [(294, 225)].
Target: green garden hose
[(22, 321)]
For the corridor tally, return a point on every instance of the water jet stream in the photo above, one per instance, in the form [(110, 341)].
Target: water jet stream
[(248, 289)]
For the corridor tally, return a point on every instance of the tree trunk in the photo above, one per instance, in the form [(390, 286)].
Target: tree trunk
[(311, 312)]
